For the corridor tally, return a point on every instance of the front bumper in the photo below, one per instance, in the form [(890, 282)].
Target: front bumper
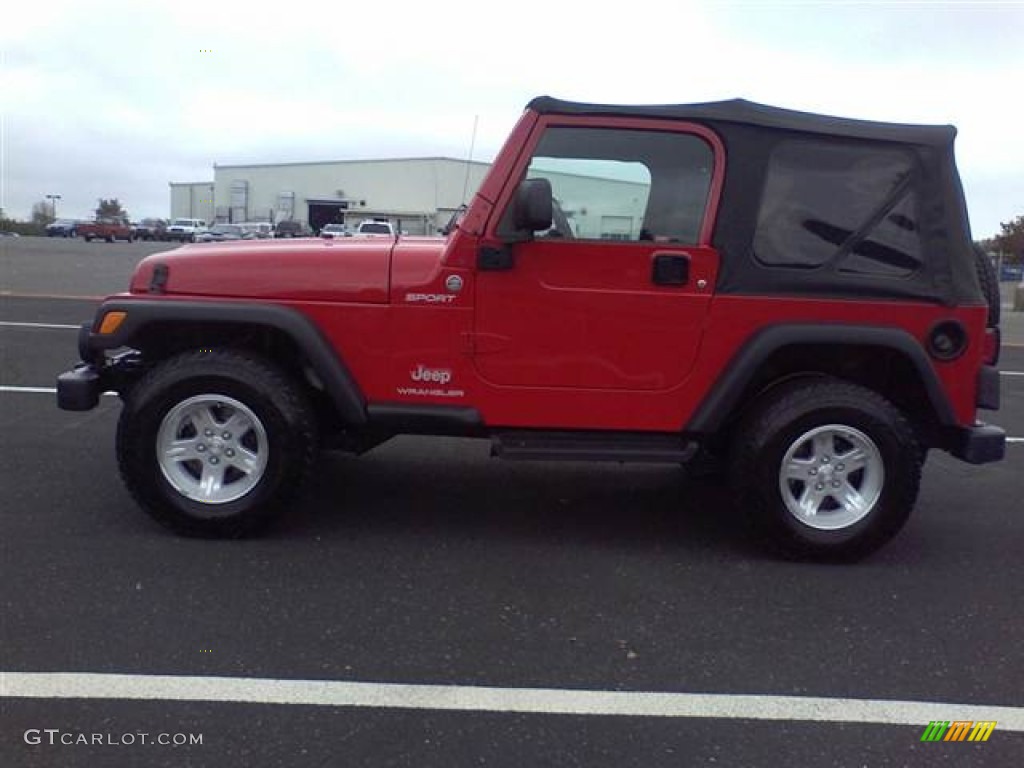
[(100, 371), (979, 444)]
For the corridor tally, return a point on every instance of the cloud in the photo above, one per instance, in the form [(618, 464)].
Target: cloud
[(117, 99)]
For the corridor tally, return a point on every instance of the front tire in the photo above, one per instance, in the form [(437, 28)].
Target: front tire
[(827, 469), (215, 443)]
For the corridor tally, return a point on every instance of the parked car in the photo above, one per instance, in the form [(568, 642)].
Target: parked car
[(5, 233), (1011, 273), (106, 229), (257, 230), (151, 229), (220, 232), (185, 230), (376, 228), (62, 228), (335, 230), (291, 229)]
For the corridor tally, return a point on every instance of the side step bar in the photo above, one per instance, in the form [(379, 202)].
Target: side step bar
[(592, 446)]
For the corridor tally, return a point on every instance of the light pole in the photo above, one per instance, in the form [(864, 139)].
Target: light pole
[(53, 201)]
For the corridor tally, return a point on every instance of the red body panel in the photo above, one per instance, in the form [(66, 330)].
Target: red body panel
[(276, 270)]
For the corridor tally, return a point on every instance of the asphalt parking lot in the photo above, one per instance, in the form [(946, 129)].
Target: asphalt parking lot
[(425, 563)]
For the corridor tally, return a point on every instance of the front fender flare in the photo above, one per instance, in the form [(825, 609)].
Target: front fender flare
[(142, 314)]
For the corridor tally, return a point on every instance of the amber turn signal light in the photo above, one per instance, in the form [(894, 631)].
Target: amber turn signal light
[(111, 322)]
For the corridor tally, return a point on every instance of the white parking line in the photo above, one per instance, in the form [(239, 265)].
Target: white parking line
[(41, 390), (58, 326), (551, 701)]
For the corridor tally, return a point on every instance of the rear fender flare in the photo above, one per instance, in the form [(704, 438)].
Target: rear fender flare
[(725, 397)]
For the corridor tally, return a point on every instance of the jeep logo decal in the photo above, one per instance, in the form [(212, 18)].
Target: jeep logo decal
[(437, 375)]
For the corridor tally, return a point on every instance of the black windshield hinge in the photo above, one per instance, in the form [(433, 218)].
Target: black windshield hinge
[(158, 281), (495, 259)]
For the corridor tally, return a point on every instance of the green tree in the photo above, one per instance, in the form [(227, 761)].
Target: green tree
[(111, 209), (42, 214), (1011, 240)]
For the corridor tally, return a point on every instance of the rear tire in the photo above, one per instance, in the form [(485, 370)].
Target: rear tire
[(826, 469), (215, 443)]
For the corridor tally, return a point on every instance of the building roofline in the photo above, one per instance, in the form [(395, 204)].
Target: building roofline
[(217, 166), (188, 183)]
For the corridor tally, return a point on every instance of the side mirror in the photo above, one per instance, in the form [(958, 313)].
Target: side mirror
[(533, 206)]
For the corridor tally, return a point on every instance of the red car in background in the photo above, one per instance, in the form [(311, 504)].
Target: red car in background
[(106, 229)]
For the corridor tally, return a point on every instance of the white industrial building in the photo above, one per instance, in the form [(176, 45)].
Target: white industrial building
[(419, 195)]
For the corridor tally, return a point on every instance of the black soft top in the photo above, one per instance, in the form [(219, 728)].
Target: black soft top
[(751, 113), (786, 197)]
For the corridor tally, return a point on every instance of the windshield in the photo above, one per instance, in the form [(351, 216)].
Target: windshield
[(183, 223), (375, 228)]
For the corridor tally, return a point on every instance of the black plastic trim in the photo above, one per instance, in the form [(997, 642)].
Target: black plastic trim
[(980, 444), (724, 397), (79, 389), (401, 418), (158, 282), (581, 445), (495, 259), (85, 352), (988, 396), (670, 269), (329, 367)]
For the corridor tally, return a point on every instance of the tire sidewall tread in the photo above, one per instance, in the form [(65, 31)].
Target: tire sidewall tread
[(790, 411), (263, 387)]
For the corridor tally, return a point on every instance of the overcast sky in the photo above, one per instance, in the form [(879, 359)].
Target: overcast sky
[(116, 99)]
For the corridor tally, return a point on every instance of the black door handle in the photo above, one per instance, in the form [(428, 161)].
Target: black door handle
[(670, 269)]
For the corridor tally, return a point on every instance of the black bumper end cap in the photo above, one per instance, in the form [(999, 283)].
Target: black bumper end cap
[(980, 444), (78, 389)]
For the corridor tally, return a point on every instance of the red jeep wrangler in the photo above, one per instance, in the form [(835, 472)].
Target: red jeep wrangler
[(793, 294)]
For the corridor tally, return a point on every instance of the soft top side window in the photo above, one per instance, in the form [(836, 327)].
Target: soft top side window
[(848, 205), (623, 184)]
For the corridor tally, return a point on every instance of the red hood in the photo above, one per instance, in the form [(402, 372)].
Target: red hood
[(308, 269)]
